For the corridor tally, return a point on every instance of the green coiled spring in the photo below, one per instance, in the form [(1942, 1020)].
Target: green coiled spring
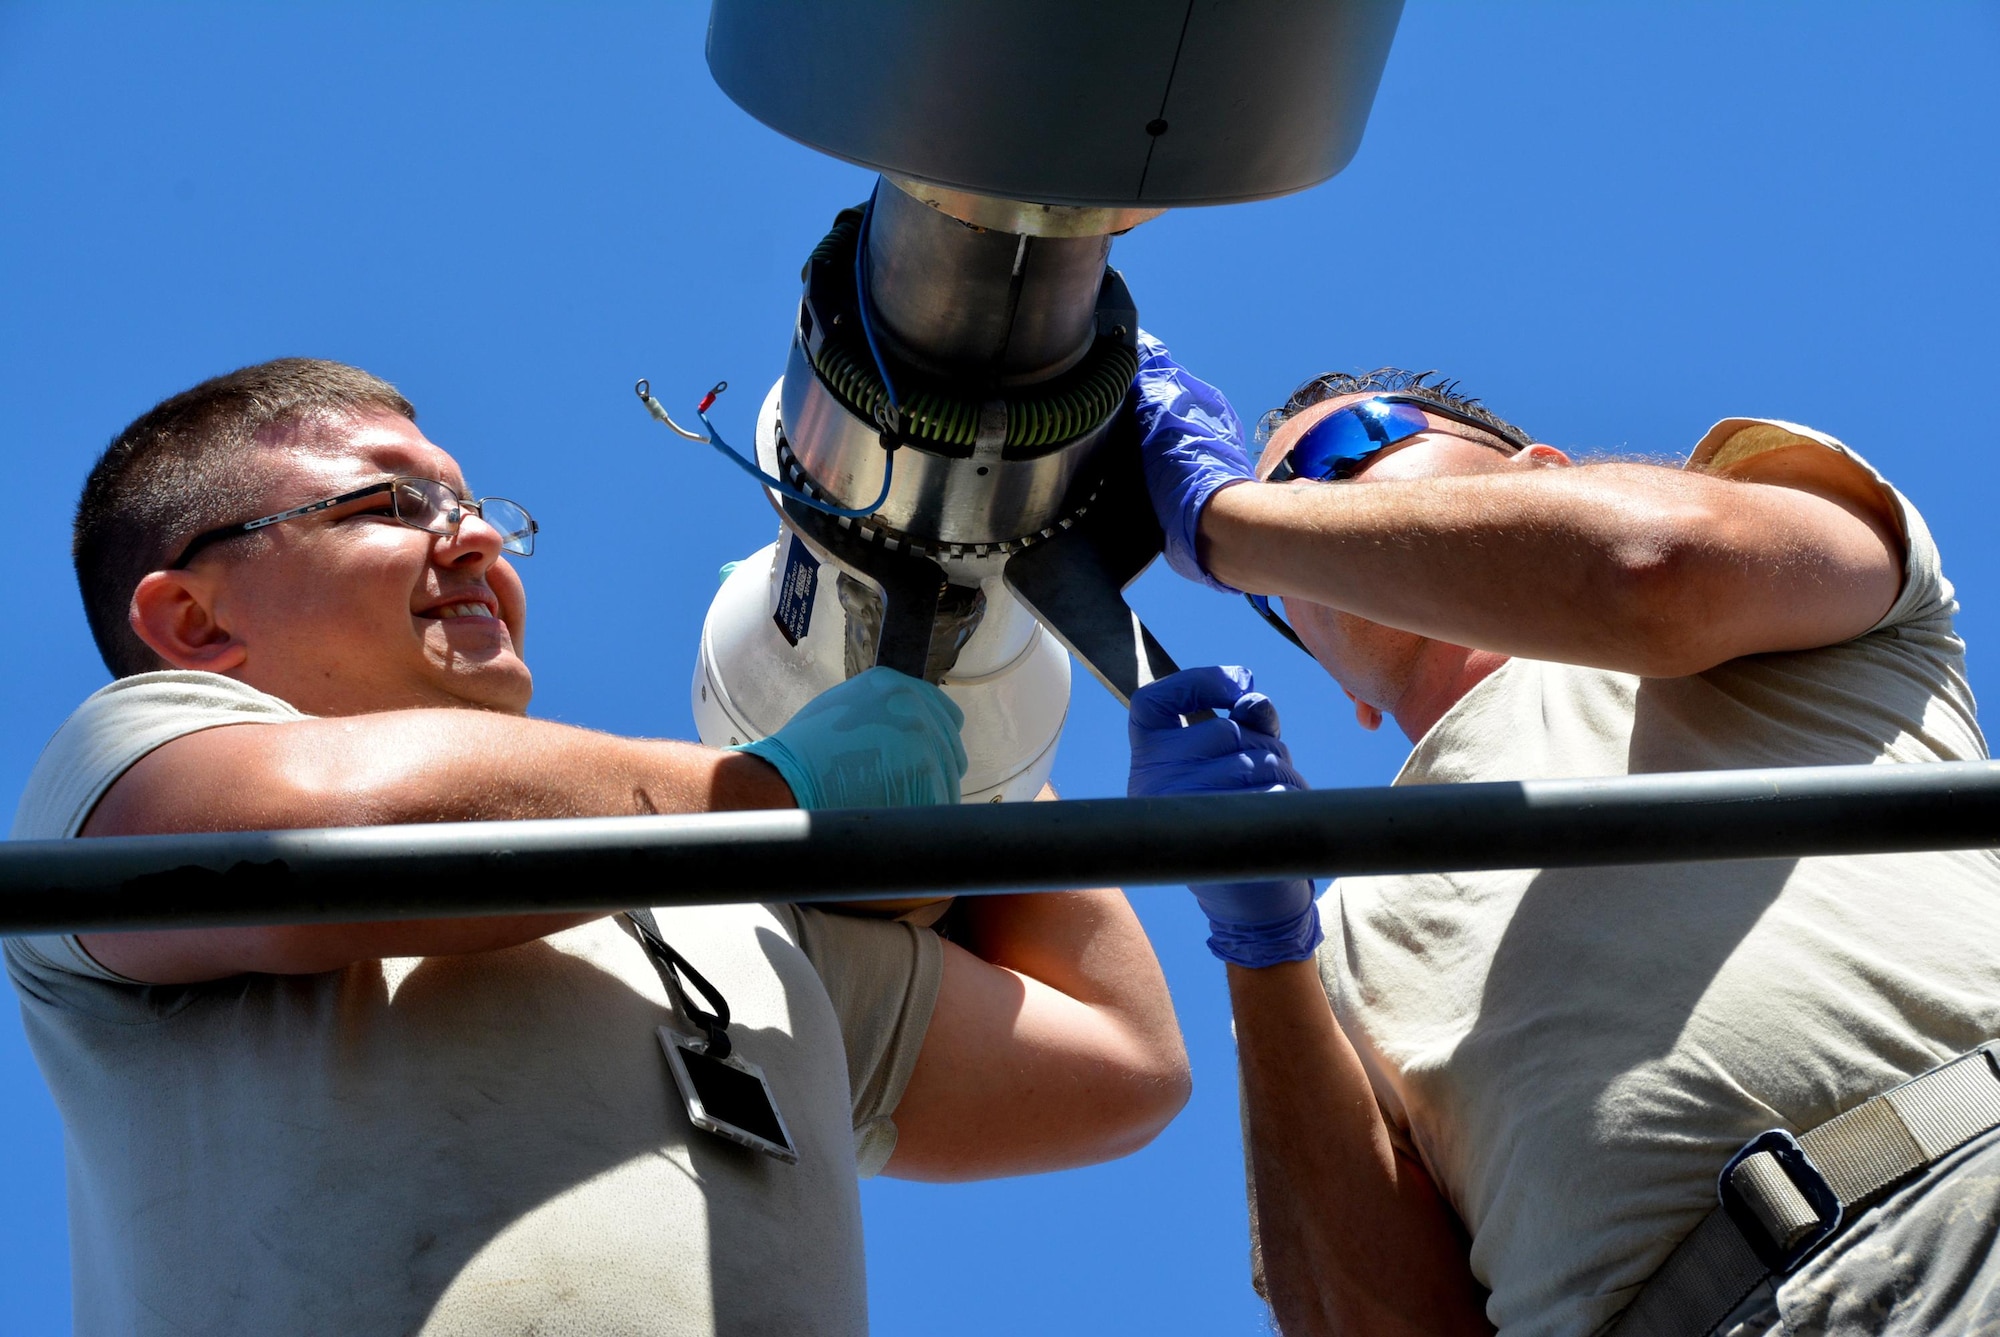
[(1074, 403), (837, 244)]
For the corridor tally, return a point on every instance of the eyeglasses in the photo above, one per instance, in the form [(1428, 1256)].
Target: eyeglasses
[(420, 503), (1347, 440)]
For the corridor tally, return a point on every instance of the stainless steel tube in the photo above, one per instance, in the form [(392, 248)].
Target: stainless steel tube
[(363, 873), (994, 307)]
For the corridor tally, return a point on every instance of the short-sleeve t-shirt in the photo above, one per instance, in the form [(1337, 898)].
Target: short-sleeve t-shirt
[(481, 1144), (1573, 1053)]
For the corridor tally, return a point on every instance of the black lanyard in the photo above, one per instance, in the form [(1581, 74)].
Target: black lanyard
[(672, 966)]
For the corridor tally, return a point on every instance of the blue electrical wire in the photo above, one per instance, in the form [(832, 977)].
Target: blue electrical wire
[(895, 422), (787, 490), (888, 428)]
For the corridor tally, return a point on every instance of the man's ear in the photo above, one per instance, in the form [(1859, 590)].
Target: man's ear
[(1539, 456), (173, 613), (1365, 715)]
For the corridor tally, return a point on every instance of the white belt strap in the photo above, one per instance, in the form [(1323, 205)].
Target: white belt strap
[(1784, 1196)]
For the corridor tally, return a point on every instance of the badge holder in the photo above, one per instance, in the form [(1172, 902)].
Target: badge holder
[(728, 1096), (725, 1094)]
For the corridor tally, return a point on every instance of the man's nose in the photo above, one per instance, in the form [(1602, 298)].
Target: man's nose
[(476, 545)]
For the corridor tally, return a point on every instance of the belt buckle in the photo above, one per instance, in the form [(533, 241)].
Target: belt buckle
[(1805, 1177)]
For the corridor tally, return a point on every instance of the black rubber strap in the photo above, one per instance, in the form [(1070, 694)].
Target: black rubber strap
[(673, 967)]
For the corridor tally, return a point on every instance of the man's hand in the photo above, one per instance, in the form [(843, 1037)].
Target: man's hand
[(1251, 924), (1191, 444), (879, 740)]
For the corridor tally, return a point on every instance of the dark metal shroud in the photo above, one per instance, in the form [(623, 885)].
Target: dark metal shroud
[(1099, 102), (411, 872)]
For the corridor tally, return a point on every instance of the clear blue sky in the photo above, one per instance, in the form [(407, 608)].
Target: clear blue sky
[(1616, 223)]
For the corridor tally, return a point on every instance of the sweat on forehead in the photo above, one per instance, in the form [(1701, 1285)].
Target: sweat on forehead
[(319, 431), (348, 447)]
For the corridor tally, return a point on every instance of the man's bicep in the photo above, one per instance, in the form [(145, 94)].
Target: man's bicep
[(191, 956), (231, 778), (967, 1111), (1873, 525), (187, 956), (1017, 1077), (234, 777), (1824, 548), (359, 771)]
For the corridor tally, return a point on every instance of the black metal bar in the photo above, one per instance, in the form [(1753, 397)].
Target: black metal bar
[(407, 872)]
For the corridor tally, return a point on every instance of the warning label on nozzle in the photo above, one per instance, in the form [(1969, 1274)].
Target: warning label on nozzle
[(796, 591)]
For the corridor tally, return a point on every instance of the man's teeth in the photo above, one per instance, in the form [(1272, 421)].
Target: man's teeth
[(461, 610)]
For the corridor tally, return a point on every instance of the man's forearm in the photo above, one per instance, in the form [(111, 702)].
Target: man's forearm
[(1623, 566), (1355, 1237)]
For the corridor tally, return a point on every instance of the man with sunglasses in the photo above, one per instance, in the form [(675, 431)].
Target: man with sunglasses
[(1502, 1099), (644, 1123)]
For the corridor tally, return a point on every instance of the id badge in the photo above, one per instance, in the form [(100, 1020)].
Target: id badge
[(727, 1096)]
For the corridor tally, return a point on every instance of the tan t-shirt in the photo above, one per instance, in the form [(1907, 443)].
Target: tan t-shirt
[(1573, 1053), (485, 1144)]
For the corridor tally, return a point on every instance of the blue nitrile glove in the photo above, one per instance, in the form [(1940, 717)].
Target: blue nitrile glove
[(1250, 923), (1191, 443), (881, 740)]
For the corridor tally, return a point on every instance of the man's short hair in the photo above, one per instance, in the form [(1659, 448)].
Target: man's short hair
[(180, 469), (1418, 385)]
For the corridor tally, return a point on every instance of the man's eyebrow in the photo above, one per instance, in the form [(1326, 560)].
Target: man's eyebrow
[(463, 488), (462, 485)]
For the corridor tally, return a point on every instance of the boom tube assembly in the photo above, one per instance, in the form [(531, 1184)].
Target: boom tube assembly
[(947, 429)]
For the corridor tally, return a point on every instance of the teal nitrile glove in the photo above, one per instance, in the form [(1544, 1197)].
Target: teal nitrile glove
[(881, 740)]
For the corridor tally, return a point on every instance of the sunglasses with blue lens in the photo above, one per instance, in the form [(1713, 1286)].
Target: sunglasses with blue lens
[(1344, 442)]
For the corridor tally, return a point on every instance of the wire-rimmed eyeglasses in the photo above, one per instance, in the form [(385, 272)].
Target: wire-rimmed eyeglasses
[(420, 503)]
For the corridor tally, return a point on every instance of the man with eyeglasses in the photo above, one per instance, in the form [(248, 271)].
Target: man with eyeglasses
[(1504, 1099), (647, 1123)]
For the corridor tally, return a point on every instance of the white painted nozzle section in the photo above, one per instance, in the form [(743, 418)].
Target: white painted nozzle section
[(1012, 678)]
